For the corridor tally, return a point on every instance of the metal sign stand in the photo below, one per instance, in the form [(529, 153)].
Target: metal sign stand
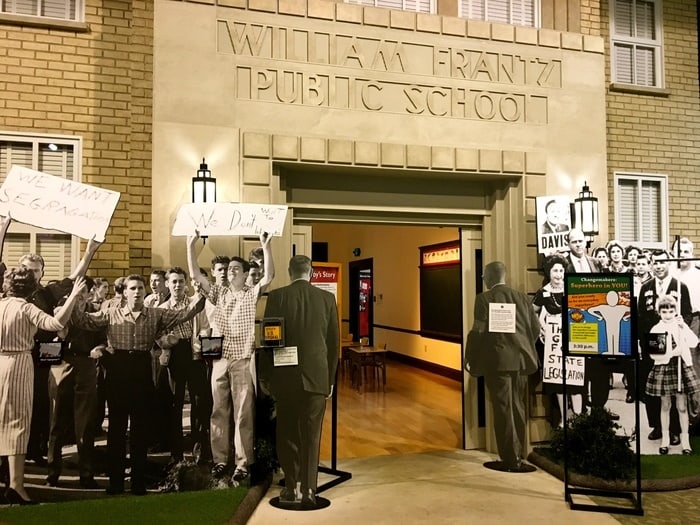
[(634, 497), (341, 475)]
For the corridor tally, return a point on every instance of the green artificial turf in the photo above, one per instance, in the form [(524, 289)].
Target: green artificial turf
[(206, 506)]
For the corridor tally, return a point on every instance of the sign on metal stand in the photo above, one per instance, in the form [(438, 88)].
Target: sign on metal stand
[(599, 321)]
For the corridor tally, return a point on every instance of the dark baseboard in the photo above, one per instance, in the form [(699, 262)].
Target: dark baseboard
[(434, 368)]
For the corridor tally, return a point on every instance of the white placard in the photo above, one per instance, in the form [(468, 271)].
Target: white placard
[(230, 218), (287, 356), (55, 203), (552, 366), (502, 318)]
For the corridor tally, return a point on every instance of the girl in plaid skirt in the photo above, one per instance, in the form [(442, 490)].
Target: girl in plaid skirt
[(673, 373)]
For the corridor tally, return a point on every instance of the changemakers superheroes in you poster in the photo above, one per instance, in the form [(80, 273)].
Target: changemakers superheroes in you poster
[(599, 314)]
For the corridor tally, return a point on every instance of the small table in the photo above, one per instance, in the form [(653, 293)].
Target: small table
[(366, 356)]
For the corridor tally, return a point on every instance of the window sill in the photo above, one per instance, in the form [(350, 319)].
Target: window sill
[(640, 90), (47, 23)]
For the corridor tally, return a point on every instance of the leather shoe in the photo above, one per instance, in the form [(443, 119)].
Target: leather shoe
[(687, 452), (88, 482), (614, 416), (308, 501), (675, 439), (13, 498), (629, 398), (52, 480), (287, 495), (654, 434), (663, 450)]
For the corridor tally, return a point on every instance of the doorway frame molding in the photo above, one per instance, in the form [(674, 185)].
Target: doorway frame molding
[(507, 220)]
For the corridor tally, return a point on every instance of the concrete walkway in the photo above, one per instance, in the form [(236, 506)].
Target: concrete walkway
[(449, 487)]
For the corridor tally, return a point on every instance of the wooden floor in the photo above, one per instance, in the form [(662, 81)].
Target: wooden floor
[(419, 412)]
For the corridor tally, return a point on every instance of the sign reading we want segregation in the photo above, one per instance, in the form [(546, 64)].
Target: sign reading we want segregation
[(43, 200)]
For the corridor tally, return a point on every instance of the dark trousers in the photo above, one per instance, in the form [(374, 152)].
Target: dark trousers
[(299, 423), (39, 429), (101, 396), (73, 394), (160, 405), (190, 374), (507, 390), (129, 387)]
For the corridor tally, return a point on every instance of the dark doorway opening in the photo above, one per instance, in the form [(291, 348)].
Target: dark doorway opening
[(361, 299)]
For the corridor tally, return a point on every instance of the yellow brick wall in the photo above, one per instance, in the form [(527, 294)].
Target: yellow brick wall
[(97, 85), (659, 134)]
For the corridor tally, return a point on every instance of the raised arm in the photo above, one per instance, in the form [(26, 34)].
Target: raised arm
[(269, 264), (81, 269), (4, 225), (192, 265), (64, 313)]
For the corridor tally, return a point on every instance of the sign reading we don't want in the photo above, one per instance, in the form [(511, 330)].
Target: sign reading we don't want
[(43, 200), (230, 218)]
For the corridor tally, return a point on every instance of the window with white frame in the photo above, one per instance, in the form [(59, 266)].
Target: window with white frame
[(636, 42), (641, 209), (420, 6), (57, 156), (515, 12), (50, 9)]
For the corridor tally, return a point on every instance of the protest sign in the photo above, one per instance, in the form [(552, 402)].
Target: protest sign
[(552, 367), (230, 218), (55, 203), (553, 223)]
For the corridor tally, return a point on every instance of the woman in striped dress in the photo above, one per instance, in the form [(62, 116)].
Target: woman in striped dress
[(19, 322)]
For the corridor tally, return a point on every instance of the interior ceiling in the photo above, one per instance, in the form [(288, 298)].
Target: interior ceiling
[(374, 195)]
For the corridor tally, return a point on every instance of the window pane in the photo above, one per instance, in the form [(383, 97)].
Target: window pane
[(645, 67), (498, 11), (644, 13), (651, 211), (12, 153), (55, 249), (628, 216), (623, 18), (623, 63), (22, 7)]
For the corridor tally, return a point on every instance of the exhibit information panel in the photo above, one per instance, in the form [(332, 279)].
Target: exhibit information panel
[(598, 315)]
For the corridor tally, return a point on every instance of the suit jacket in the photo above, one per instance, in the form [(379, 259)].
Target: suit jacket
[(558, 228), (311, 324), (593, 263), (504, 349)]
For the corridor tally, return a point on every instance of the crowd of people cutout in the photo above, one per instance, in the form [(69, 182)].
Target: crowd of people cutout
[(668, 303), (136, 354)]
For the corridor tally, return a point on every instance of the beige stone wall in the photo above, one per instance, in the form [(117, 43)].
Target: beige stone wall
[(658, 134), (213, 89), (94, 83)]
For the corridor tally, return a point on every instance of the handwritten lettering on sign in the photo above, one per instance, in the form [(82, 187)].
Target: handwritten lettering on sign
[(55, 203), (230, 218)]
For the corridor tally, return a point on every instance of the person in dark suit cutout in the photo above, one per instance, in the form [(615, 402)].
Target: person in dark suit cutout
[(311, 325), (509, 359)]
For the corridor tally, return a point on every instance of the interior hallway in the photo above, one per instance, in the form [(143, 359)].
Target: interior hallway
[(419, 412)]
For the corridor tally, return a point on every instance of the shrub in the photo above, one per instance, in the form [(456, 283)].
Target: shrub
[(594, 448)]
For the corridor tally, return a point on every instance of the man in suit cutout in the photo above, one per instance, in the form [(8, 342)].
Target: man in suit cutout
[(311, 325), (510, 358)]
